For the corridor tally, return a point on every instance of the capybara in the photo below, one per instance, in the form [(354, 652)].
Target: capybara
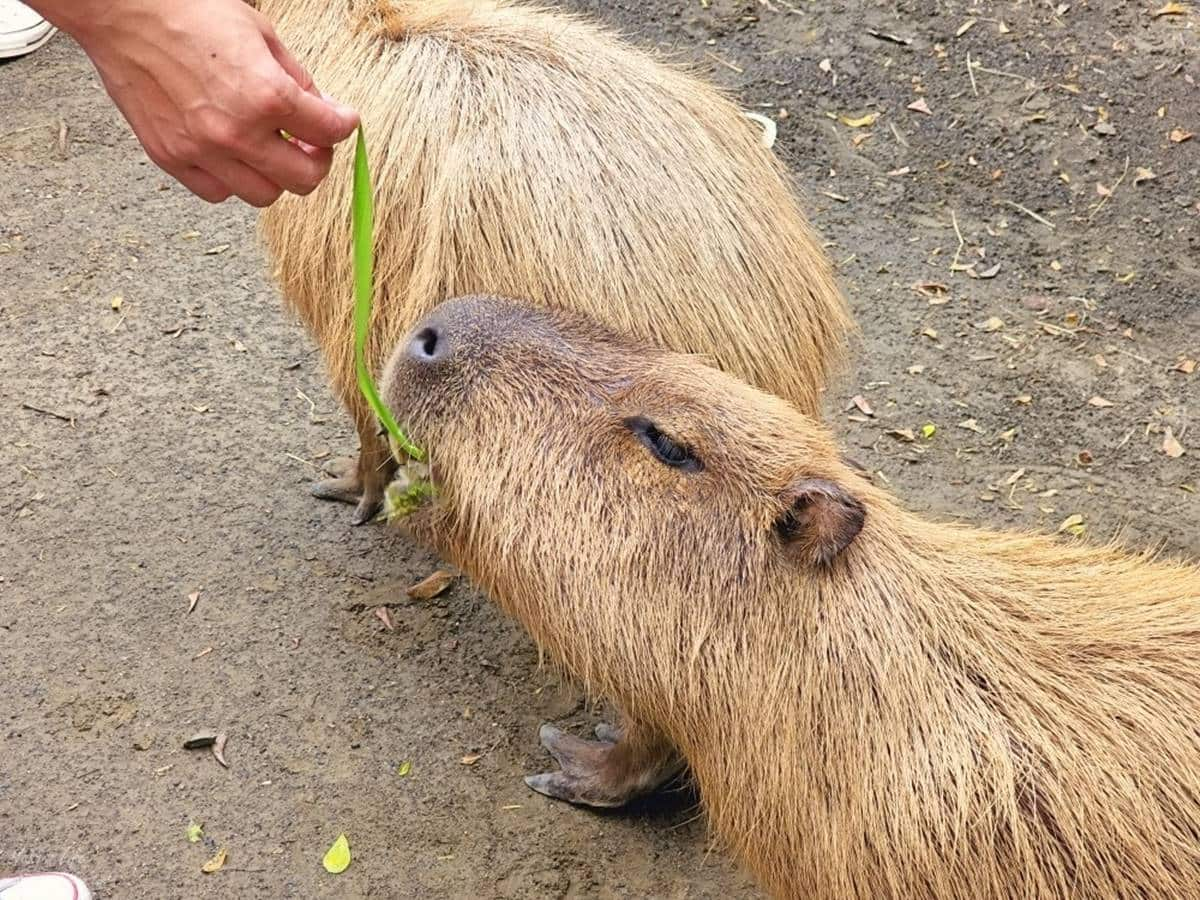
[(872, 705), (526, 152)]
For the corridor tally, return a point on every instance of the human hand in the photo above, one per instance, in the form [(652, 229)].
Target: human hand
[(207, 88)]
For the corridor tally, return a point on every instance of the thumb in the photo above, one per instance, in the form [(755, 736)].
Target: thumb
[(315, 119)]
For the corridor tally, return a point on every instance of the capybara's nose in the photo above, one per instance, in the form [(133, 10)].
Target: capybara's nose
[(428, 345)]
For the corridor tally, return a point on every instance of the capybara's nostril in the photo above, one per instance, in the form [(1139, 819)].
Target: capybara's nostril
[(427, 345)]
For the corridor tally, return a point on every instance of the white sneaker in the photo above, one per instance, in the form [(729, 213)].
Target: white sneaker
[(21, 29), (44, 886)]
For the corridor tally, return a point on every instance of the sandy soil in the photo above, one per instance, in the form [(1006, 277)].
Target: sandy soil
[(164, 449)]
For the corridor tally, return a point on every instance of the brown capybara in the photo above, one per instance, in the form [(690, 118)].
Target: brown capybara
[(872, 705), (526, 152)]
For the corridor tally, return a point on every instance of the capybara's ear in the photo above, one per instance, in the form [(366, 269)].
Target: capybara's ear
[(820, 520)]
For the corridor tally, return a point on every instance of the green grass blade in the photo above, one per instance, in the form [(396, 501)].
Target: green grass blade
[(364, 266)]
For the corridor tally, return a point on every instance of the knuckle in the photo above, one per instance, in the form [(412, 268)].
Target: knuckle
[(213, 130), (274, 98)]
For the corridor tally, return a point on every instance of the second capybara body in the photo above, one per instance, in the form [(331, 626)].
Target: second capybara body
[(872, 705), (523, 151)]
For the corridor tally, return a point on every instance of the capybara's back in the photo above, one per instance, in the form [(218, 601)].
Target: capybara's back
[(525, 152)]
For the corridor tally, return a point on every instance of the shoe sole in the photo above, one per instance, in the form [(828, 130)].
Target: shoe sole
[(10, 52)]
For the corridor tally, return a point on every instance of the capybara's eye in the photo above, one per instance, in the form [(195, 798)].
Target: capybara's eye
[(665, 449)]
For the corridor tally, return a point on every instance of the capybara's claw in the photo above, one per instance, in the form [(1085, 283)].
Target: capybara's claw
[(367, 509), (604, 773), (343, 490), (561, 786)]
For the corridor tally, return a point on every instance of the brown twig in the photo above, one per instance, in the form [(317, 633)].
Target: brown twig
[(1029, 212), (70, 420)]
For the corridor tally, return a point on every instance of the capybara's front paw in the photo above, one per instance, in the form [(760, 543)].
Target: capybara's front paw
[(605, 773), (347, 487)]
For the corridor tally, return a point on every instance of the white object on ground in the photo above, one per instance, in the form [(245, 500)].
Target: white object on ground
[(21, 29), (770, 129), (44, 886)]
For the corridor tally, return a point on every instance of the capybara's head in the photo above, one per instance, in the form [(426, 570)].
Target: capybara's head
[(562, 451)]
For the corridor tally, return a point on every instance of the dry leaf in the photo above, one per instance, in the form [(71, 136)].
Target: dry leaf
[(1105, 128), (1143, 174), (1178, 135), (1073, 524), (1186, 366), (218, 749), (213, 251), (825, 65), (971, 425), (930, 333), (193, 599), (986, 273), (200, 740), (1100, 403), (859, 401), (995, 323), (1023, 399), (859, 139), (1002, 28), (915, 370), (1170, 445), (903, 434), (116, 303), (430, 587), (1170, 9), (239, 346), (919, 105), (930, 288), (964, 27), (216, 862), (471, 758), (1102, 190), (382, 614), (864, 121), (1084, 458)]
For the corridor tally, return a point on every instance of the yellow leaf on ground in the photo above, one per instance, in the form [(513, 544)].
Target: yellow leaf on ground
[(216, 862), (1170, 9), (337, 857), (864, 121), (1073, 524)]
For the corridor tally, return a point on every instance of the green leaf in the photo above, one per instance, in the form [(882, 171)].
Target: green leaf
[(337, 857), (404, 769), (195, 831), (928, 430), (401, 500), (363, 220)]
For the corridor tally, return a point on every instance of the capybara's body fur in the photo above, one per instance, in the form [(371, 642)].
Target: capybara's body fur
[(525, 152), (872, 705)]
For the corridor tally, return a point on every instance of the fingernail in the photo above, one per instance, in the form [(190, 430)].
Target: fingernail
[(343, 110)]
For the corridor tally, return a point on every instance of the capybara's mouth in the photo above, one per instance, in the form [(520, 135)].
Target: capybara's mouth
[(410, 490)]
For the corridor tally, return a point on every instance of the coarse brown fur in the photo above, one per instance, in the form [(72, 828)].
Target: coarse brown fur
[(872, 705), (522, 151)]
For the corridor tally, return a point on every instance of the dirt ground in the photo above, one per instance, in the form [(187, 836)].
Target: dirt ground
[(164, 449)]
